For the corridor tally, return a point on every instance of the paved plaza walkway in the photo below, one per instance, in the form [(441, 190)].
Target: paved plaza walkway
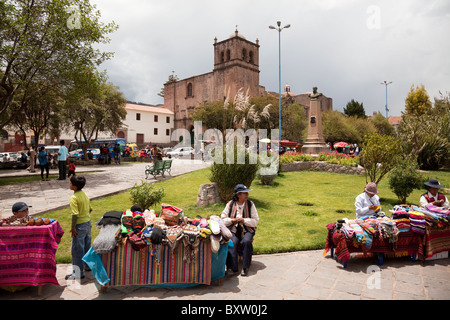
[(304, 275)]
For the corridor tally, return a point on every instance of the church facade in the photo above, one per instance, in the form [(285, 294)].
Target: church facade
[(236, 65)]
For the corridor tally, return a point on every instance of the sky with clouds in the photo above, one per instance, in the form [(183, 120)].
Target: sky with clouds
[(344, 47)]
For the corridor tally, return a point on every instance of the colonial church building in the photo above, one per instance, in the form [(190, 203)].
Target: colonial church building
[(236, 65)]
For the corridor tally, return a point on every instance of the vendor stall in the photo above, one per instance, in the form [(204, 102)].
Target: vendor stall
[(164, 251), (412, 231), (27, 254)]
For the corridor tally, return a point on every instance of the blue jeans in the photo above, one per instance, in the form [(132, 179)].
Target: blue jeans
[(80, 246), (247, 251)]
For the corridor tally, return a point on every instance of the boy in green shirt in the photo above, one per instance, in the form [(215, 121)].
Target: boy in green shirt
[(80, 207)]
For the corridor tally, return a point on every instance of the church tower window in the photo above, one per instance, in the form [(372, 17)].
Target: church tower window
[(189, 90)]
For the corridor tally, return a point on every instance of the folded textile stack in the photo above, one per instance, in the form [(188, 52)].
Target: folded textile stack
[(388, 229), (401, 218), (417, 221), (403, 224)]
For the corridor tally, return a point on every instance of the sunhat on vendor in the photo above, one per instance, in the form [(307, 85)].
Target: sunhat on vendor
[(433, 196), (433, 183), (371, 188)]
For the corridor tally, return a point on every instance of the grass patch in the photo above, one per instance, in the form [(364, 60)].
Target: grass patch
[(284, 225)]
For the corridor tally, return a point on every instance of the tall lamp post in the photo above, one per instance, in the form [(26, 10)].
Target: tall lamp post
[(279, 71), (386, 84)]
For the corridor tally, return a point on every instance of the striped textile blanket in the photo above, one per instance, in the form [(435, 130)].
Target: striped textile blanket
[(125, 266), (409, 243), (27, 254), (436, 240)]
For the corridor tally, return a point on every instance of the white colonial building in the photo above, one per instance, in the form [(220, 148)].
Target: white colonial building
[(143, 125), (147, 125)]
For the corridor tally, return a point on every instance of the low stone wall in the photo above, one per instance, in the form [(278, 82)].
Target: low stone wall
[(321, 166)]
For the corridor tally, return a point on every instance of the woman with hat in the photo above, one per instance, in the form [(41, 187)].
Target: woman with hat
[(241, 217), (433, 196), (368, 202)]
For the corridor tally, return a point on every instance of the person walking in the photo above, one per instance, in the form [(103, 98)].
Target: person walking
[(43, 162), (32, 154), (62, 158)]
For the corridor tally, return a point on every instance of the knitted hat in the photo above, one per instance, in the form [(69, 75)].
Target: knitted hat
[(371, 188)]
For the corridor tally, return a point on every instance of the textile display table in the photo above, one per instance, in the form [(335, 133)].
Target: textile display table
[(125, 266), (436, 240), (27, 255), (407, 244)]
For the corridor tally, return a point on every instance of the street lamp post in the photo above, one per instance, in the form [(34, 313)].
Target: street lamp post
[(386, 84), (279, 72)]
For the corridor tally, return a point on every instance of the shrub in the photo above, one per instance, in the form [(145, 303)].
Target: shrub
[(146, 195), (405, 177), (290, 157), (227, 176)]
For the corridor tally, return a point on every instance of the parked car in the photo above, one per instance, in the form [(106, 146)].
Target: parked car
[(165, 151), (181, 152), (14, 156), (78, 153), (4, 157)]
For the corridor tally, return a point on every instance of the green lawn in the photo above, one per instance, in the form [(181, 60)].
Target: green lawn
[(293, 213)]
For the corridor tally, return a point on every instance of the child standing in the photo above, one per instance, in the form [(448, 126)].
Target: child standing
[(80, 208), (71, 168)]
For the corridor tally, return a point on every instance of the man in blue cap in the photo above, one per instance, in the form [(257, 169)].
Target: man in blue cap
[(241, 217)]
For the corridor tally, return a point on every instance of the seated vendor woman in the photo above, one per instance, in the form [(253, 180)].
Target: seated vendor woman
[(433, 196), (241, 217), (367, 203)]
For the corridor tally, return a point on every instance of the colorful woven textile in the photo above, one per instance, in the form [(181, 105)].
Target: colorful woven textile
[(27, 254), (409, 243), (436, 240), (125, 266)]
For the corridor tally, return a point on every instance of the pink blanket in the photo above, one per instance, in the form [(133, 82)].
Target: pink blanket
[(27, 254)]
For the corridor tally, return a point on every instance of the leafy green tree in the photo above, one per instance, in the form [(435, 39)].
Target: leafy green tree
[(382, 125), (427, 135), (338, 127), (379, 155), (354, 108), (44, 41), (93, 106), (405, 177), (418, 101)]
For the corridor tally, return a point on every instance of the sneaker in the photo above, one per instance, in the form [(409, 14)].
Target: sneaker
[(73, 277), (244, 272), (230, 272)]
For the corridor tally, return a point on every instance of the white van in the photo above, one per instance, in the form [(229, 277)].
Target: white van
[(52, 149)]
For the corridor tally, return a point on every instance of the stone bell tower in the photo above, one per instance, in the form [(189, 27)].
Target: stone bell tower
[(236, 65)]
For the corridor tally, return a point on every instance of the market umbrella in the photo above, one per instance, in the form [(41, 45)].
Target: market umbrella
[(341, 144)]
